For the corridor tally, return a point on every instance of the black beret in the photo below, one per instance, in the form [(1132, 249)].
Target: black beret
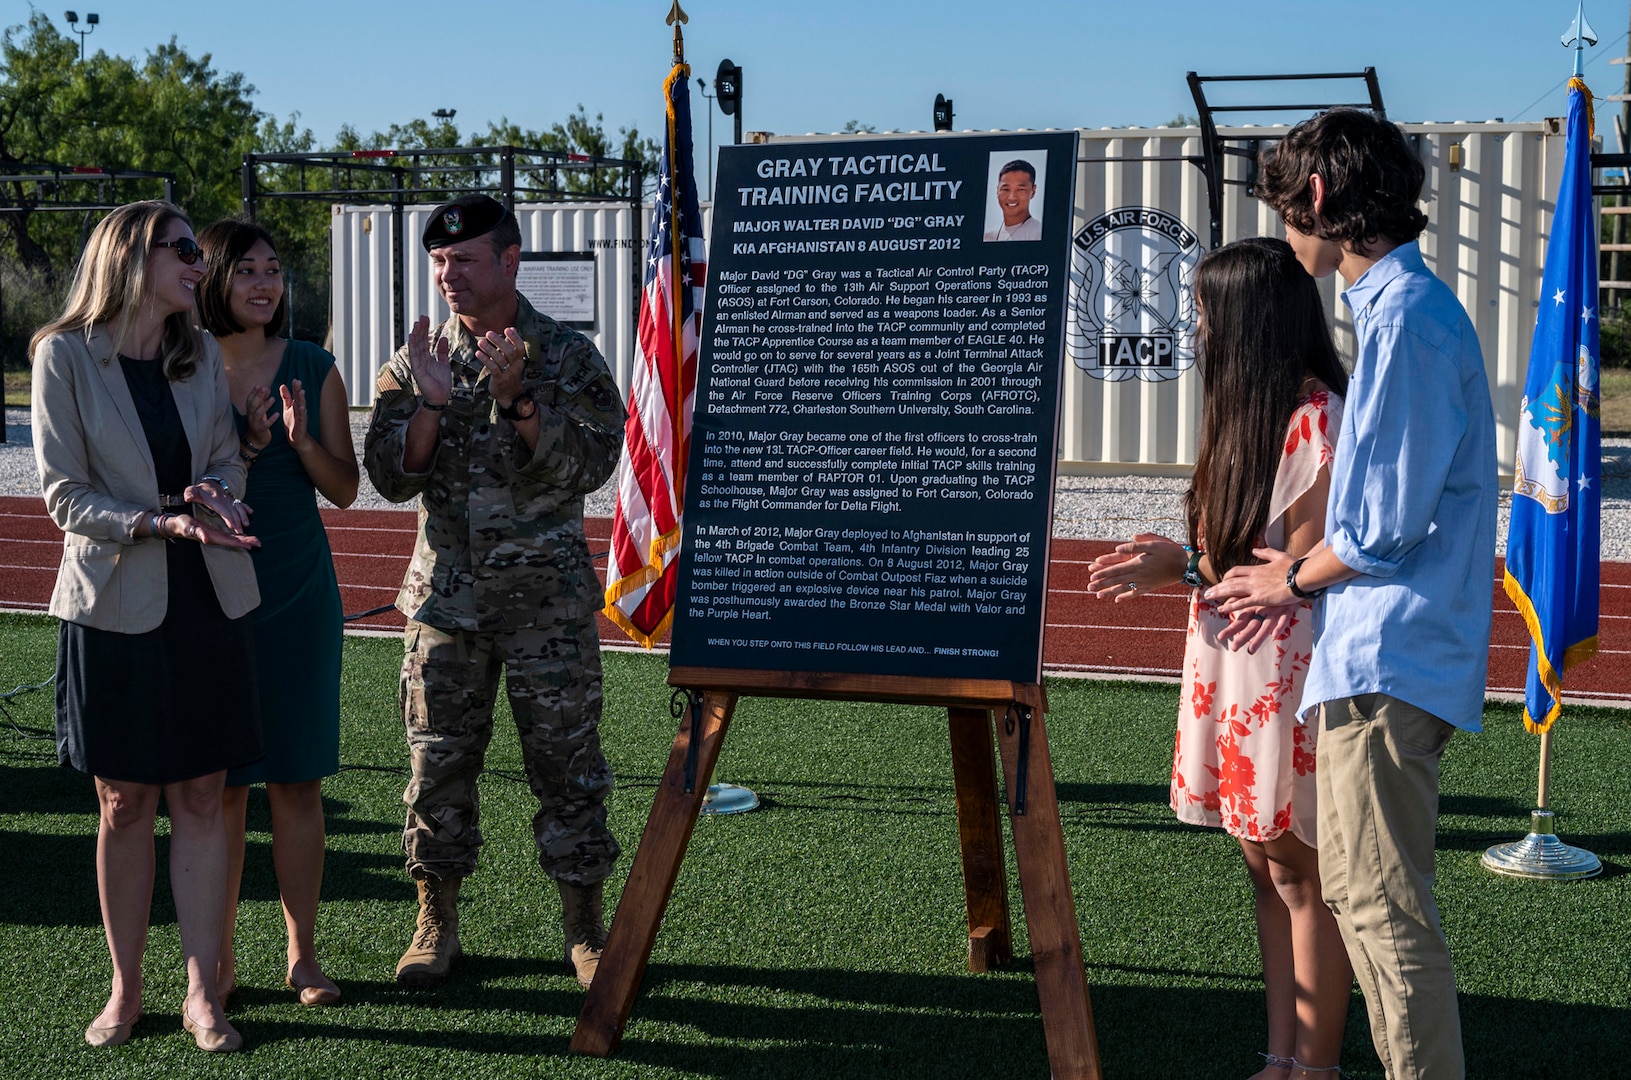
[(465, 218)]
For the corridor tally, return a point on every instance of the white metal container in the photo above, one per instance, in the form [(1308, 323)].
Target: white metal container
[(360, 242), (1488, 223)]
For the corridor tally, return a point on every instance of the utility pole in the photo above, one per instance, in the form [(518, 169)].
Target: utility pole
[(709, 98)]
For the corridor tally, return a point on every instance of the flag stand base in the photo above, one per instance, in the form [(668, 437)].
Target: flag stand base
[(729, 799), (1541, 855)]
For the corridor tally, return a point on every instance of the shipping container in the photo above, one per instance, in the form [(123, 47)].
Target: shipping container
[(1489, 198)]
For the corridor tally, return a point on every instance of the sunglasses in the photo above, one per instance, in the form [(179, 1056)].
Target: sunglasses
[(187, 249)]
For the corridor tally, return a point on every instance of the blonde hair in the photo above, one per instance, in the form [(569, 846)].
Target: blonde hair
[(110, 283)]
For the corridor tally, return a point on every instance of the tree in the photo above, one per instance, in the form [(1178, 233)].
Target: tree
[(855, 127), (173, 113), (578, 135)]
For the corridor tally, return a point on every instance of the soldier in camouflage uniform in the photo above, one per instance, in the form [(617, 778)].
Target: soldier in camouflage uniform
[(500, 420)]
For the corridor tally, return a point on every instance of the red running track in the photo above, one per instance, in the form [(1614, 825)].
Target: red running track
[(1084, 635)]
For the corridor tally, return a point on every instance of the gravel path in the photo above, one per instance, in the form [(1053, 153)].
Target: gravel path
[(1085, 507)]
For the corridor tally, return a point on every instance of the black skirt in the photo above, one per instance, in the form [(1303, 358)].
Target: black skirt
[(172, 704)]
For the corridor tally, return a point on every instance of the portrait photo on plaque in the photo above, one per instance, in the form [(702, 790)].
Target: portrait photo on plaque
[(1013, 205)]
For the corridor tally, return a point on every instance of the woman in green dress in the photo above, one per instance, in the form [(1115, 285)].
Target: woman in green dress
[(294, 452)]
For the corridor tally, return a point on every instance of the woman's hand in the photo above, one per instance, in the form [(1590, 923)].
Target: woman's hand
[(258, 411), (294, 414), (1144, 563), (1253, 628), (187, 527), (235, 512)]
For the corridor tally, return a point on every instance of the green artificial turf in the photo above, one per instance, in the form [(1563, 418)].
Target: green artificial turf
[(822, 936)]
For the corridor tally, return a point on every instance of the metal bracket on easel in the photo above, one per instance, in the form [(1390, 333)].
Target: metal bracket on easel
[(681, 699), (1019, 714)]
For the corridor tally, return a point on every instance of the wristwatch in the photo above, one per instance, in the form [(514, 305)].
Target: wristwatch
[(1291, 582), (522, 407), (1192, 572)]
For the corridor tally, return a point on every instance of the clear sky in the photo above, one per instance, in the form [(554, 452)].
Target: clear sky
[(811, 66)]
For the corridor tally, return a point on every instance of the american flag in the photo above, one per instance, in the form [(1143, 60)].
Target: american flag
[(642, 568)]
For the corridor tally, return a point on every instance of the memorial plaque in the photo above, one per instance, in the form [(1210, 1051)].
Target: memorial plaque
[(870, 483)]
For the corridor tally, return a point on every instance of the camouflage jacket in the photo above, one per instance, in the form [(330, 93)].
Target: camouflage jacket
[(501, 542)]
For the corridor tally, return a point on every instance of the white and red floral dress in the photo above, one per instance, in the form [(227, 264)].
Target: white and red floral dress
[(1242, 761)]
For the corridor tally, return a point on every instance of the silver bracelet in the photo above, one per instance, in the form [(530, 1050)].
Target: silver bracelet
[(224, 486)]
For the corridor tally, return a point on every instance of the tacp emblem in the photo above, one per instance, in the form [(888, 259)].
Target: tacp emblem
[(1133, 316), (603, 397), (453, 221)]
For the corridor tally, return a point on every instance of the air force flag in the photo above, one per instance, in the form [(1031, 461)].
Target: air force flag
[(1552, 547)]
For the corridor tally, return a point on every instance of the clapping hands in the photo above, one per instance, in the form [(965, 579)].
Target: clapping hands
[(234, 514), (432, 370)]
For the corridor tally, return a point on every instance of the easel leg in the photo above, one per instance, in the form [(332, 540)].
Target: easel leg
[(1050, 909), (979, 831), (651, 883)]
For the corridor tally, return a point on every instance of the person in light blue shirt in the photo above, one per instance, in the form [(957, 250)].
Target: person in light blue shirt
[(1406, 574)]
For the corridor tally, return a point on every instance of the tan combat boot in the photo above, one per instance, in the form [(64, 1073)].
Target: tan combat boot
[(436, 938), (585, 929)]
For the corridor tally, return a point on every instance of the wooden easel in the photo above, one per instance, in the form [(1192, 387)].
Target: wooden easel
[(1039, 847)]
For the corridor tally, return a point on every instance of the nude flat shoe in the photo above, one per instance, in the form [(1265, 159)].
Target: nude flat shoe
[(222, 1040), (311, 994), (112, 1034)]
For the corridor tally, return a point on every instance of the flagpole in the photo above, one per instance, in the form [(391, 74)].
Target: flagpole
[(1541, 855), (1545, 783), (722, 798), (677, 16)]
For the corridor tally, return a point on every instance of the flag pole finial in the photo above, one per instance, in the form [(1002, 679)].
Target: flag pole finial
[(1577, 36), (677, 15)]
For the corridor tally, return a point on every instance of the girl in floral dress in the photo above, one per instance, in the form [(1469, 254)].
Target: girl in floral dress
[(1243, 762)]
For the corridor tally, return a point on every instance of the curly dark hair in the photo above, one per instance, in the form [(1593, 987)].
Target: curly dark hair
[(1372, 179)]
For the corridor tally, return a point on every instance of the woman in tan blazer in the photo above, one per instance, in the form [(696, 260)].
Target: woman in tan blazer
[(139, 459)]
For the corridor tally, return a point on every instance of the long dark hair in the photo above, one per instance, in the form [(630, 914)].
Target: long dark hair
[(1263, 331), (224, 243)]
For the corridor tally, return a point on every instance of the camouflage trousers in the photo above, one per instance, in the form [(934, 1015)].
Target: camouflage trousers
[(552, 678)]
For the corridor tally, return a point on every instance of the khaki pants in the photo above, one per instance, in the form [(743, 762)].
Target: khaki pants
[(1378, 813)]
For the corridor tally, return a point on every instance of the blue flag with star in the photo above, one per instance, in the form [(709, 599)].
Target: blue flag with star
[(1552, 548)]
